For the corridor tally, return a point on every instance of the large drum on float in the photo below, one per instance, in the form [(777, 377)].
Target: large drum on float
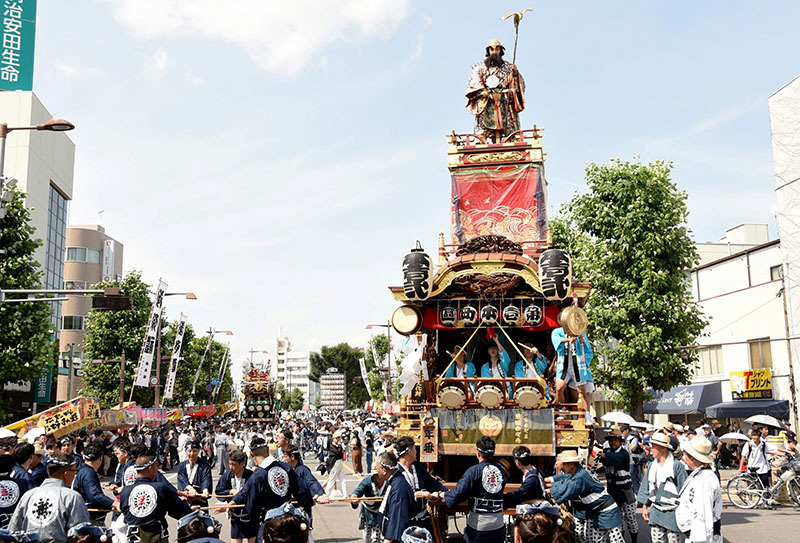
[(528, 396), (452, 396), (489, 396), (407, 320), (574, 321)]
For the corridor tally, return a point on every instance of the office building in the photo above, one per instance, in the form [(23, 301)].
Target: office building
[(292, 368)]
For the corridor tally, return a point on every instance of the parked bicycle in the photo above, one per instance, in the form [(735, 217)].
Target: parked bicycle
[(745, 491)]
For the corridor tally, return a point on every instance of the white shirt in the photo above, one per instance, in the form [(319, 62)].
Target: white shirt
[(755, 455), (699, 506)]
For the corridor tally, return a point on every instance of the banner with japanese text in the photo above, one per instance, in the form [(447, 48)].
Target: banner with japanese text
[(751, 384), (176, 356), (145, 366), (501, 200), (18, 44)]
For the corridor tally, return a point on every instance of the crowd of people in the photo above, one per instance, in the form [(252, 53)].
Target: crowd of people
[(259, 477)]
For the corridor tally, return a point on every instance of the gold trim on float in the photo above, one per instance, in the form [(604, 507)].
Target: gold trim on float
[(444, 280)]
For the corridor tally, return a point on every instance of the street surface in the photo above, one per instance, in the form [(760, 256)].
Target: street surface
[(338, 522)]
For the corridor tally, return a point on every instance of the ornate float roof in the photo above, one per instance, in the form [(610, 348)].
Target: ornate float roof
[(488, 264)]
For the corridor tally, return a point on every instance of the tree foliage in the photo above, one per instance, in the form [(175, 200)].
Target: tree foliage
[(25, 328), (344, 358), (628, 236)]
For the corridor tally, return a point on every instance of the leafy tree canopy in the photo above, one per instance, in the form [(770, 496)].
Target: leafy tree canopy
[(628, 235)]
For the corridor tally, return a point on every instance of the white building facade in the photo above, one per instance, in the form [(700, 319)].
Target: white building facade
[(292, 368)]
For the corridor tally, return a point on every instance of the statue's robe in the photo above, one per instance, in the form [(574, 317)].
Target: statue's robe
[(498, 111)]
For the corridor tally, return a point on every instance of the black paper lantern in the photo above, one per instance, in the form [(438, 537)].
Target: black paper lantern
[(448, 315), (511, 315), (555, 274), (534, 314), (417, 274), (489, 314), (469, 315)]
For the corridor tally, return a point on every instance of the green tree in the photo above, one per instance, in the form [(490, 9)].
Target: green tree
[(628, 236), (375, 355), (295, 399), (108, 335), (194, 354), (25, 333), (344, 358)]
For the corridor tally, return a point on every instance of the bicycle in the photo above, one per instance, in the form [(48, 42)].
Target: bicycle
[(745, 491)]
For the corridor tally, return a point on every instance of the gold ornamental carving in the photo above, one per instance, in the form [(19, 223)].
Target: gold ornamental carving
[(506, 156), (490, 425)]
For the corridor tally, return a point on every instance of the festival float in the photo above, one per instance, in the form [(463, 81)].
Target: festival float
[(498, 277), (261, 400)]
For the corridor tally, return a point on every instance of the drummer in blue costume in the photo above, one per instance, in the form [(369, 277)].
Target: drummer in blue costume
[(534, 366), (499, 364), (147, 502), (597, 517), (398, 505), (243, 526), (573, 367), (482, 486), (460, 368), (418, 478)]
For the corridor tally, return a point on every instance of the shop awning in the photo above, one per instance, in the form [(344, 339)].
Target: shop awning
[(746, 408), (684, 400)]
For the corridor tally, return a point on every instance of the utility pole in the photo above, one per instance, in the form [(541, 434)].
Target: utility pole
[(71, 370), (122, 381)]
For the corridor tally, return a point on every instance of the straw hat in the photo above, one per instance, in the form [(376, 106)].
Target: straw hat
[(698, 448), (569, 456), (662, 439)]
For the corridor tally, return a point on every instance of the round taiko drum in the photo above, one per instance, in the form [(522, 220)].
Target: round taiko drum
[(528, 397), (574, 320), (490, 396), (407, 319), (452, 397)]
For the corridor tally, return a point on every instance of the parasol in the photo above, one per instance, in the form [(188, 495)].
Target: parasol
[(5, 432), (766, 420), (734, 438), (619, 417), (33, 433)]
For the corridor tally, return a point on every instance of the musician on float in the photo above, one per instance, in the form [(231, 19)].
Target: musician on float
[(534, 366), (499, 364), (482, 485), (532, 486), (243, 526), (573, 366), (418, 479), (146, 503), (460, 368)]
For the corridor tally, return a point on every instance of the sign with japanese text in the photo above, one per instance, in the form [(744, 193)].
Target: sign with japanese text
[(19, 38), (42, 385), (751, 384), (149, 346), (70, 416), (429, 444), (176, 356), (108, 260)]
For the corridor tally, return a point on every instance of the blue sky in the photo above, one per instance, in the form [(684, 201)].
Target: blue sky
[(279, 158)]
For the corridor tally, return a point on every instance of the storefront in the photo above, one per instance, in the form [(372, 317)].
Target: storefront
[(684, 404), (751, 393)]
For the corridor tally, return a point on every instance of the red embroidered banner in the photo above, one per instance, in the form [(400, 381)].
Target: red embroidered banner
[(502, 200)]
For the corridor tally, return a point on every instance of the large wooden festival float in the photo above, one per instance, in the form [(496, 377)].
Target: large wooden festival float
[(499, 275)]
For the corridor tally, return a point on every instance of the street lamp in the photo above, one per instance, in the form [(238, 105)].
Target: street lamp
[(388, 326), (53, 125)]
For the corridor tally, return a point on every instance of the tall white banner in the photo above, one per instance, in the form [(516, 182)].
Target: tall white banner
[(176, 356), (145, 366), (364, 375), (222, 366)]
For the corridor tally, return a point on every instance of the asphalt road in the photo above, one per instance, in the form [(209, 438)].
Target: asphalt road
[(338, 522)]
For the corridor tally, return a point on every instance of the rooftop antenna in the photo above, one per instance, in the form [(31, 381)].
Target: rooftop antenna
[(100, 217)]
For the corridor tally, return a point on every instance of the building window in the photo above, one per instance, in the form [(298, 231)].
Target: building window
[(760, 354), (776, 272), (75, 285), (54, 241), (72, 322), (710, 362), (82, 254), (93, 256)]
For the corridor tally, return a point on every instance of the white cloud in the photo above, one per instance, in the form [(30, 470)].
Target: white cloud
[(67, 70), (281, 37), (157, 61)]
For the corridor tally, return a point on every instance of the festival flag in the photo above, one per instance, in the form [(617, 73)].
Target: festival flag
[(363, 365), (145, 366), (176, 356)]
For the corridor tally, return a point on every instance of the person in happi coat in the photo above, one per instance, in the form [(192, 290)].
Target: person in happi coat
[(308, 485), (596, 514), (499, 364), (87, 483), (495, 95), (534, 366), (68, 447), (573, 367), (482, 486), (243, 526), (89, 533), (537, 523), (11, 489), (658, 493), (272, 484), (285, 524), (222, 442), (418, 479), (146, 503), (194, 475), (52, 508), (372, 486), (38, 469), (699, 511), (198, 526), (461, 367), (398, 505), (22, 453), (532, 486), (616, 459)]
